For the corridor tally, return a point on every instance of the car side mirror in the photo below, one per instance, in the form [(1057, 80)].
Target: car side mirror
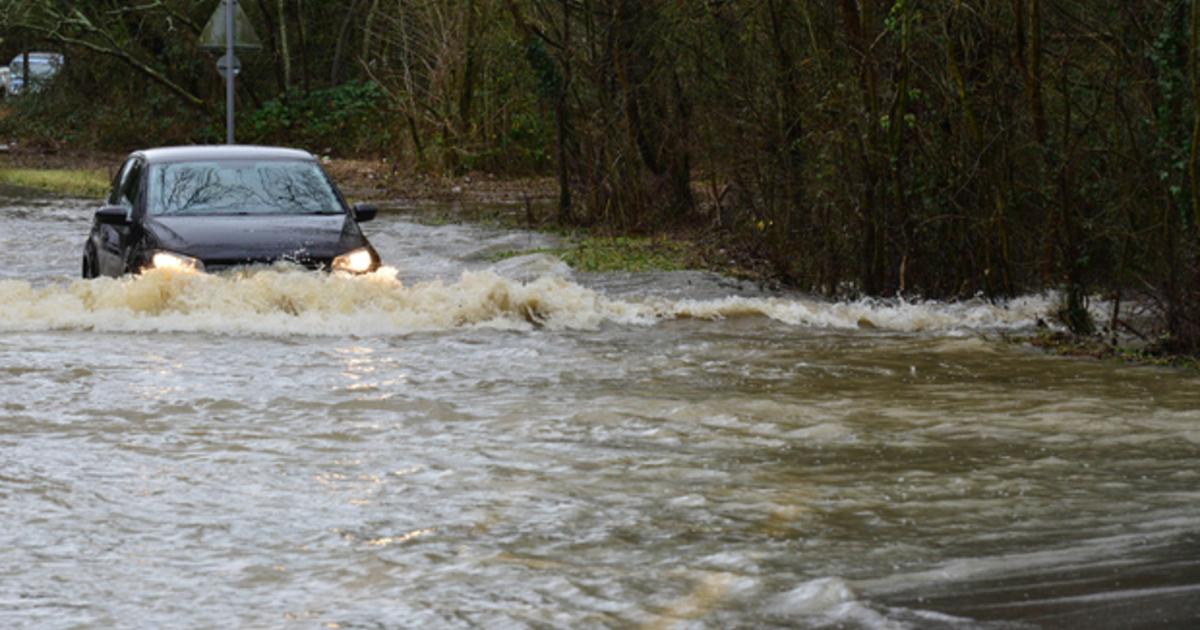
[(364, 212), (112, 215)]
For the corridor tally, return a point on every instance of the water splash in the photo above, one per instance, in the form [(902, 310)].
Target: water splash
[(286, 301)]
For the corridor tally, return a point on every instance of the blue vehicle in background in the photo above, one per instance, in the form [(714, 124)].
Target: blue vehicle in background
[(42, 67)]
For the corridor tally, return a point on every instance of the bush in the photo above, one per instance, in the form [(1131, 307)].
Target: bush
[(348, 119), (65, 114)]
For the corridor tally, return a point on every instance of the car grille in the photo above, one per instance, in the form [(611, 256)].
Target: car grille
[(315, 264)]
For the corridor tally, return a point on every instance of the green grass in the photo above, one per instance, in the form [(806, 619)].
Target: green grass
[(622, 253), (77, 183), (582, 251)]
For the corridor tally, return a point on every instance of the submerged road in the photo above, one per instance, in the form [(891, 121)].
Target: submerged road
[(458, 443)]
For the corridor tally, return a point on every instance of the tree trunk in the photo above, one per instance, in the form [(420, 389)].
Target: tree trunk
[(343, 41), (871, 257), (563, 121), (562, 114), (302, 32), (1194, 148), (285, 50), (789, 128), (272, 41), (470, 68), (1029, 58)]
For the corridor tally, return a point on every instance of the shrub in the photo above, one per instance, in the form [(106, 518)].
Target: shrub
[(349, 119)]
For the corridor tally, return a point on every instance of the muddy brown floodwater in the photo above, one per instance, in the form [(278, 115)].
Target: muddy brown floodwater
[(457, 443)]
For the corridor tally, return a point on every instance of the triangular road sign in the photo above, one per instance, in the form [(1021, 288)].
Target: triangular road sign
[(244, 37)]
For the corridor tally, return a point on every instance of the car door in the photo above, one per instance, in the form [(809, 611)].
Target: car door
[(114, 240)]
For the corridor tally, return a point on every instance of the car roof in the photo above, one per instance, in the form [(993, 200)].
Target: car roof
[(222, 152)]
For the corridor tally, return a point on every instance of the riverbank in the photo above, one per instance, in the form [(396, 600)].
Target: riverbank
[(66, 182), (530, 203), (75, 174), (1129, 352)]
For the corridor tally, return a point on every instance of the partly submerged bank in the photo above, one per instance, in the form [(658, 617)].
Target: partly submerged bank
[(76, 183), (62, 173), (1098, 347)]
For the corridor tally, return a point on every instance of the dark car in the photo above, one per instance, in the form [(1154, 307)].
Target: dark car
[(213, 208)]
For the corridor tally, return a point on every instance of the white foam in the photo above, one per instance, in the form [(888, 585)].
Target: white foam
[(812, 598), (286, 301), (828, 602)]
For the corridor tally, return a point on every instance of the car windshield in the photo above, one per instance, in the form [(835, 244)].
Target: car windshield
[(37, 66), (234, 187)]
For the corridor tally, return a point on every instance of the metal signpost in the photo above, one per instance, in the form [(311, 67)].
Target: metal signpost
[(230, 5), (229, 31)]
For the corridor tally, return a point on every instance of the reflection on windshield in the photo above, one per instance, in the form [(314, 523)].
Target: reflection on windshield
[(36, 68), (214, 188), (39, 66)]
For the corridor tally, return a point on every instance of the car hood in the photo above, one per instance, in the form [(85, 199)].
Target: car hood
[(256, 238)]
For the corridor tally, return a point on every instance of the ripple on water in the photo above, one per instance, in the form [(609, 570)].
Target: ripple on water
[(274, 446)]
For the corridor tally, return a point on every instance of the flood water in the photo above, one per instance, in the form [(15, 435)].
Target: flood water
[(458, 443)]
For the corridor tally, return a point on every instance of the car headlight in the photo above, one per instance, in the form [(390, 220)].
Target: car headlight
[(169, 261), (357, 261)]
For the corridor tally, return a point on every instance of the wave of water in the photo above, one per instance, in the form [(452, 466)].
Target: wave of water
[(287, 301)]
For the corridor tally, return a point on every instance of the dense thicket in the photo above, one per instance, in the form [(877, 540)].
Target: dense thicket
[(942, 148)]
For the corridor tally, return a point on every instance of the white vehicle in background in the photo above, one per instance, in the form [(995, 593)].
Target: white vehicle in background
[(42, 67), (4, 76)]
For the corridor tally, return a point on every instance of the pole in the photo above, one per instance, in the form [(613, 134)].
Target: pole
[(230, 5)]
